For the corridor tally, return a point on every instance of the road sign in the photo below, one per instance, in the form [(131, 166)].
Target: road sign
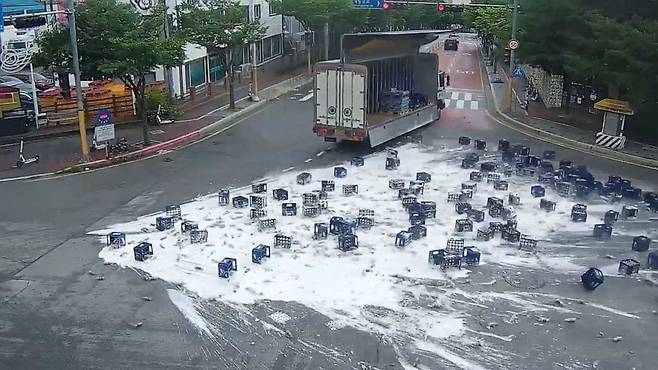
[(104, 133), (368, 4), (513, 44), (518, 73), (103, 117)]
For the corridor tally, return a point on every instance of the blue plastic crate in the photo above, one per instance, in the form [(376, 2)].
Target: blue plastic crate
[(164, 223), (116, 239), (225, 266), (143, 251), (592, 278), (260, 252)]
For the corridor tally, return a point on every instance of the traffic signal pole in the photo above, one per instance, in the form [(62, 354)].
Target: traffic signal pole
[(512, 61)]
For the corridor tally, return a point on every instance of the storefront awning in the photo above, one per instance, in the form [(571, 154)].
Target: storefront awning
[(615, 106)]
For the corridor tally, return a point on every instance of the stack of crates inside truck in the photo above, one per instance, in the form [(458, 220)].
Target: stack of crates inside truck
[(382, 88)]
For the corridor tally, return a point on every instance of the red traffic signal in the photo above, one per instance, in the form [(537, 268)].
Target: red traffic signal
[(441, 8), (386, 6)]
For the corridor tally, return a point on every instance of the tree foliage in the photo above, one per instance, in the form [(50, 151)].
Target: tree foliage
[(114, 41), (222, 27), (603, 42)]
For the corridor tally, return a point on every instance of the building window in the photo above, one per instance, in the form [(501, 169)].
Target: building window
[(197, 72), (268, 48), (272, 11), (216, 70), (257, 11)]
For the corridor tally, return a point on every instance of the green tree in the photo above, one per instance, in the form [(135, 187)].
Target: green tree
[(114, 41), (221, 27)]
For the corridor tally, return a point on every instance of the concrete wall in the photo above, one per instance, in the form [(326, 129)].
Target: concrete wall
[(548, 86)]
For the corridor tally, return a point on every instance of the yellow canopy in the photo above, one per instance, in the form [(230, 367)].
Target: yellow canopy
[(615, 106)]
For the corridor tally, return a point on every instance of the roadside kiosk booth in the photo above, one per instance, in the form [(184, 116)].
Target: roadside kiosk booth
[(614, 118)]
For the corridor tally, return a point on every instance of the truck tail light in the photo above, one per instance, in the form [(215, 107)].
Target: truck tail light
[(321, 131), (358, 133)]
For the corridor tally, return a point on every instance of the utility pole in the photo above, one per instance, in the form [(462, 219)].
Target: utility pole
[(78, 86), (253, 93), (169, 83), (512, 63)]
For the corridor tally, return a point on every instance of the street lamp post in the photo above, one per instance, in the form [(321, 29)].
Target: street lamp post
[(254, 66), (78, 86)]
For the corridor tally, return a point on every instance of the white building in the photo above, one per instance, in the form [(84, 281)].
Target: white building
[(200, 68)]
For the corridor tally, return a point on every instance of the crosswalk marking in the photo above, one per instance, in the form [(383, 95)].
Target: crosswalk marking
[(474, 104), (464, 100)]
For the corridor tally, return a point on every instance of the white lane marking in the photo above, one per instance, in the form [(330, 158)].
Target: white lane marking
[(320, 154), (308, 160), (307, 97), (474, 105), (460, 104), (455, 95), (288, 169), (468, 96)]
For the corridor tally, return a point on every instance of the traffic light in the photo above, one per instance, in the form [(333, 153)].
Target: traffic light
[(443, 8), (29, 22), (393, 5)]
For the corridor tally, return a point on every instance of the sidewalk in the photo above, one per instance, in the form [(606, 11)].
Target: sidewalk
[(196, 120), (536, 122)]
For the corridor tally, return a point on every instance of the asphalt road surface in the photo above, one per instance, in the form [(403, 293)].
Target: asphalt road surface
[(61, 307)]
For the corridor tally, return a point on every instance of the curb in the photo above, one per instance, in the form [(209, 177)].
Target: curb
[(565, 141)]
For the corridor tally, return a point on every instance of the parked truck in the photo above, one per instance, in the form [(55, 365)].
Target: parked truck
[(382, 87)]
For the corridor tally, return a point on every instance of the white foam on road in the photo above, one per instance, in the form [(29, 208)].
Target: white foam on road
[(187, 307), (376, 287), (460, 104)]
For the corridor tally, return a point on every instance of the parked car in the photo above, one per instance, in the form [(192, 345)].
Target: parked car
[(20, 85), (5, 78), (40, 81)]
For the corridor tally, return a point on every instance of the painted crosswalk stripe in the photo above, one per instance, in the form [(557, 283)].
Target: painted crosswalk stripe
[(468, 96), (307, 97), (447, 101), (474, 105), (455, 95), (460, 104)]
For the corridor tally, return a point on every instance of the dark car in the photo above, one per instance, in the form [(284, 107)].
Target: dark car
[(40, 81), (450, 44)]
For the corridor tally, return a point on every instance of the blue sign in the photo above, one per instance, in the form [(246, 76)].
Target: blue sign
[(2, 24), (518, 73), (103, 117), (368, 4)]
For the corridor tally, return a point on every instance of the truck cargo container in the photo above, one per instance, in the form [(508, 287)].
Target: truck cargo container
[(383, 87)]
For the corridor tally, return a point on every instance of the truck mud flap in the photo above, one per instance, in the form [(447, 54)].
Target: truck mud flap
[(330, 139)]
